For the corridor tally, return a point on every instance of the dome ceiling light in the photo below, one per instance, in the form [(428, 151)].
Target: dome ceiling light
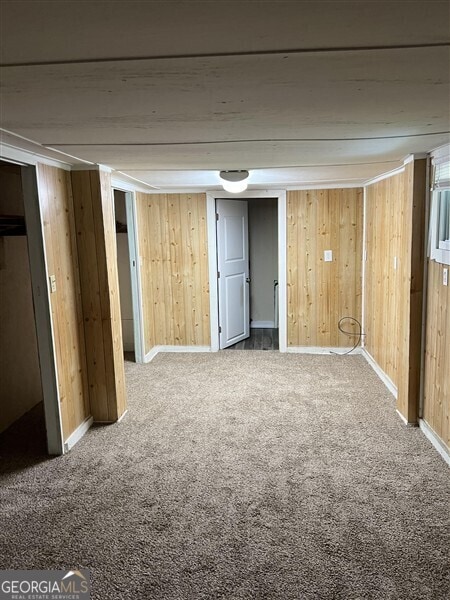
[(234, 182)]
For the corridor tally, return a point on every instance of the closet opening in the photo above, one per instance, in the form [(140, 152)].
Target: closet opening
[(22, 417)]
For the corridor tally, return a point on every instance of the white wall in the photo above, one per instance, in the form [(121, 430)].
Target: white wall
[(263, 238), (20, 376), (123, 262)]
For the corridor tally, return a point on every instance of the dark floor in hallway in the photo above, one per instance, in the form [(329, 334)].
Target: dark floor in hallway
[(260, 339)]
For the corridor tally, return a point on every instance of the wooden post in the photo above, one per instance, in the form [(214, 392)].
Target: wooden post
[(95, 226)]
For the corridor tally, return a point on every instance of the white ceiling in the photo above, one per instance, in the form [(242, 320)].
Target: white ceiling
[(170, 93)]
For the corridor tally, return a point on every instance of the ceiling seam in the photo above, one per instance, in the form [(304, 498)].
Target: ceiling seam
[(285, 52)]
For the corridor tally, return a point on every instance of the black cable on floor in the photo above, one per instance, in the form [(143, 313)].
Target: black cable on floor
[(357, 334)]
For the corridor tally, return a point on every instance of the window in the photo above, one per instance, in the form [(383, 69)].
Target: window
[(440, 211), (444, 220)]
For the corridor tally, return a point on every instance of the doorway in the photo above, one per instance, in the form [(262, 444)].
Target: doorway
[(124, 273), (128, 275), (28, 384), (247, 273)]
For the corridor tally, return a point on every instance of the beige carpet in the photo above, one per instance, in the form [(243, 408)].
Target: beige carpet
[(238, 475)]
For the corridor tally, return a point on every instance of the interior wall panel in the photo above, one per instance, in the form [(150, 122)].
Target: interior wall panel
[(173, 249), (321, 293), (55, 197), (436, 410), (395, 230), (385, 204), (96, 232)]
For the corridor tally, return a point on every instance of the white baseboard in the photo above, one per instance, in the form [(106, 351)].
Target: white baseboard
[(320, 350), (122, 416), (433, 437), (77, 434), (262, 325), (382, 375), (157, 349), (405, 420)]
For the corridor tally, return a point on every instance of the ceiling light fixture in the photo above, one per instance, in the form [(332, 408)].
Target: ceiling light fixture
[(234, 181)]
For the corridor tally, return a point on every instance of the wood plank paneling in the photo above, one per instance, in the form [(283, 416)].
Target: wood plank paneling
[(96, 233), (320, 293), (395, 229), (436, 410), (55, 197), (412, 244), (173, 248), (385, 203)]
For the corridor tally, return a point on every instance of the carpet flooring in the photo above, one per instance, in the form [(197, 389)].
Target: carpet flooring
[(238, 476)]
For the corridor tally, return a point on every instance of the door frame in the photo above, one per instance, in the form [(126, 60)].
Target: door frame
[(42, 311), (211, 198), (135, 268)]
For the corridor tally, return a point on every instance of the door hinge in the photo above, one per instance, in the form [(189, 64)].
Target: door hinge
[(218, 274), (217, 216), (220, 329)]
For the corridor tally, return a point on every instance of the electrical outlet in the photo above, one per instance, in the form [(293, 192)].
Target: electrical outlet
[(445, 277), (328, 255)]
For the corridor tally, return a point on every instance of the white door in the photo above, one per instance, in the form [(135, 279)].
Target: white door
[(233, 271)]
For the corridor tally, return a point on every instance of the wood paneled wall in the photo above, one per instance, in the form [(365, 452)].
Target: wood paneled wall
[(385, 206), (395, 229), (320, 293), (96, 237), (412, 249), (173, 249), (436, 409), (55, 197)]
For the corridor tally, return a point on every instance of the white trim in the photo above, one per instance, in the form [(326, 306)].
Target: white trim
[(437, 254), (385, 176), (135, 271), (381, 374), (335, 351), (212, 271), (122, 416), (326, 185), (436, 441), (363, 269), (282, 270), (415, 156), (127, 186), (42, 311), (157, 349), (91, 167), (40, 146), (142, 185), (255, 188), (78, 434), (262, 325), (440, 151), (27, 157), (405, 421), (212, 258)]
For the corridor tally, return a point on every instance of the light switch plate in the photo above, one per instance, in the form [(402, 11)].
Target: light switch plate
[(328, 255), (445, 277), (52, 284)]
